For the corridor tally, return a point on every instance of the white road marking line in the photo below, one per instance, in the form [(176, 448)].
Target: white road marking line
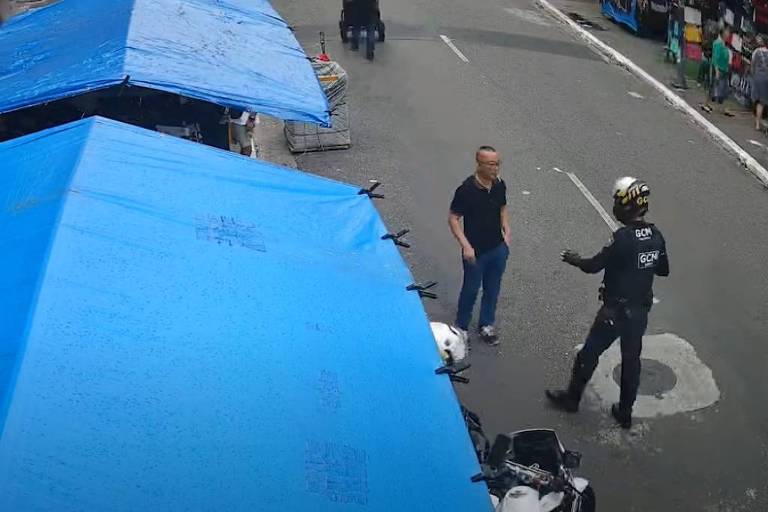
[(526, 193), (755, 143), (447, 41), (588, 195), (636, 95)]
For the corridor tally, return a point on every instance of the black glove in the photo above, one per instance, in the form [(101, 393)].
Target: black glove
[(571, 257)]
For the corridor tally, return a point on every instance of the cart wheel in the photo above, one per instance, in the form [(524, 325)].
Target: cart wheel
[(370, 43), (343, 28), (382, 31)]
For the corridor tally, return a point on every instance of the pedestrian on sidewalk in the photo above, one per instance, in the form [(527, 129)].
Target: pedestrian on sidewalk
[(635, 255), (759, 67), (721, 66), (485, 237), (678, 15), (242, 122)]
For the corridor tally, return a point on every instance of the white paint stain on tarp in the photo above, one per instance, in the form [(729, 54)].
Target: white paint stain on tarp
[(695, 388)]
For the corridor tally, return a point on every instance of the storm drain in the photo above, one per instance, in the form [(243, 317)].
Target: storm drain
[(581, 20)]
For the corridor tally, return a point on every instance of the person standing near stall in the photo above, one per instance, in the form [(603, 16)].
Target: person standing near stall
[(678, 16), (759, 67), (721, 64), (241, 123)]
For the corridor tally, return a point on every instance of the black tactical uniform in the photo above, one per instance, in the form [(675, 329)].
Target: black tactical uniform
[(635, 255)]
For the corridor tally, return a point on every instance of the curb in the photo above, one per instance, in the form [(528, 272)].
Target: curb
[(612, 55)]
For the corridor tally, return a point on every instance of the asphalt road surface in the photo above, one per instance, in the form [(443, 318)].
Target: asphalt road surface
[(545, 100)]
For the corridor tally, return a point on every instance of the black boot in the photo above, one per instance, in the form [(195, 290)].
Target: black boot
[(563, 400), (568, 399), (624, 419)]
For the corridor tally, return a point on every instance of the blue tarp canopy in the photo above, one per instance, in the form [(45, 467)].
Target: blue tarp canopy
[(184, 328), (234, 53)]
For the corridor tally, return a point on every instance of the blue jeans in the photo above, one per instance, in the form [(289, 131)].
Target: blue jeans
[(486, 271)]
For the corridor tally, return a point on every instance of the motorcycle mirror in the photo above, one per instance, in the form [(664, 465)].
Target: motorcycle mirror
[(571, 459), (499, 451)]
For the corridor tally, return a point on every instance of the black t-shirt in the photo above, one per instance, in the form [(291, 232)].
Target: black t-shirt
[(635, 255), (481, 210)]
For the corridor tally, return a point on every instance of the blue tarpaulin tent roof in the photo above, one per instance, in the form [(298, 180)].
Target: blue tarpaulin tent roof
[(189, 329), (235, 53)]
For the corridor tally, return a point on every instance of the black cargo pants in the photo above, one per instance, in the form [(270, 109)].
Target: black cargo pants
[(624, 322)]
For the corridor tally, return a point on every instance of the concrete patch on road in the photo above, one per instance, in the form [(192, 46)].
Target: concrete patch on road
[(674, 380), (529, 16)]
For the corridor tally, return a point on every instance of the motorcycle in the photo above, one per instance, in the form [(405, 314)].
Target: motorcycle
[(525, 471), (531, 471)]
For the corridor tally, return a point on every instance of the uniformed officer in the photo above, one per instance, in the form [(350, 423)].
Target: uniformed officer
[(635, 255)]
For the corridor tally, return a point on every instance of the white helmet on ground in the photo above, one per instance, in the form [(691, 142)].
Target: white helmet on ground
[(449, 339)]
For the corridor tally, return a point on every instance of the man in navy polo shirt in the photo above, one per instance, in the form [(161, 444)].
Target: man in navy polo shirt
[(481, 202)]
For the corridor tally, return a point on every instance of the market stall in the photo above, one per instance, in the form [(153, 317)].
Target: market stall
[(185, 329), (703, 21), (126, 54)]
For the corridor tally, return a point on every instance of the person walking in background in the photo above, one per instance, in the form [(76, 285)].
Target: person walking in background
[(678, 15), (759, 80), (481, 203), (721, 65)]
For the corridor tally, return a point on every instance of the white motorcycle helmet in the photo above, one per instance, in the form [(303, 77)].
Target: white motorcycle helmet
[(449, 339)]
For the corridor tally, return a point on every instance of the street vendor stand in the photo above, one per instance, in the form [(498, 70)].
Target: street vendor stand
[(152, 63)]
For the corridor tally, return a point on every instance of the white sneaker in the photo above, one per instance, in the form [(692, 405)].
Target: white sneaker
[(489, 335)]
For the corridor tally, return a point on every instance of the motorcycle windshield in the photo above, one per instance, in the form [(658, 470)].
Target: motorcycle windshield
[(537, 447)]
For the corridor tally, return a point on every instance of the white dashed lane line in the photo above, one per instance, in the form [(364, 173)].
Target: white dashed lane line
[(447, 40)]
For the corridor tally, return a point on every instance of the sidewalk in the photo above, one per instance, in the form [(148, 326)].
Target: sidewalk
[(649, 55), (268, 135)]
